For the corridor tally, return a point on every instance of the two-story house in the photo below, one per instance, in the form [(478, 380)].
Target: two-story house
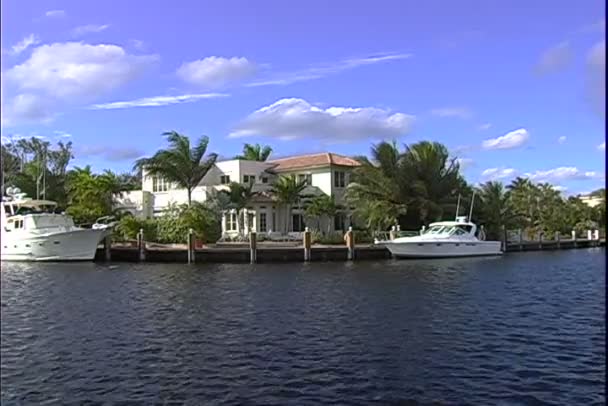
[(324, 173)]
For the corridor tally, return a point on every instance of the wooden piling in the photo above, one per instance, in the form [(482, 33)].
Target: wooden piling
[(307, 242), (520, 234), (191, 253), (574, 238), (253, 247), (558, 239), (504, 239), (107, 247), (540, 240), (350, 244), (141, 245)]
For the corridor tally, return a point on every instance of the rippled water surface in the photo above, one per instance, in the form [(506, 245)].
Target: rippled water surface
[(524, 329)]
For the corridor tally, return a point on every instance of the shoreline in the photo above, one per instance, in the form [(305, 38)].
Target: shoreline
[(240, 253)]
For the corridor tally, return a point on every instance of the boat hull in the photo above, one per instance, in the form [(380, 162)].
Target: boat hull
[(443, 249), (76, 245)]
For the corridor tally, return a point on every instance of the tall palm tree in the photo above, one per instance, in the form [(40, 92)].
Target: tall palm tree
[(287, 190), (255, 152), (180, 164), (496, 210), (322, 206), (239, 197)]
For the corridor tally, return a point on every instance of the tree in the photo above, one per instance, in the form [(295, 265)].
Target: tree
[(239, 197), (255, 152), (180, 164), (496, 209), (417, 185), (91, 195), (322, 206), (287, 190)]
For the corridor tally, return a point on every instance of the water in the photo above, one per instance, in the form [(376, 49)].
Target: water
[(524, 329)]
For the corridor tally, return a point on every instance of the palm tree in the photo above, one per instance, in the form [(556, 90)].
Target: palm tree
[(423, 179), (180, 164), (286, 190), (496, 210), (322, 206), (239, 197), (255, 152)]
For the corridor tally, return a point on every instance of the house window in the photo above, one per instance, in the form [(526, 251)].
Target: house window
[(305, 178), (159, 184), (231, 222), (264, 179), (248, 179), (225, 179), (262, 222), (339, 179), (339, 222)]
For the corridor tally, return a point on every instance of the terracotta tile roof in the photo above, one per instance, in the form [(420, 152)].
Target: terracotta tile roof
[(312, 161)]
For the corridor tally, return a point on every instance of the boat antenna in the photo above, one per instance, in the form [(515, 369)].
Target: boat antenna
[(457, 207), (471, 209)]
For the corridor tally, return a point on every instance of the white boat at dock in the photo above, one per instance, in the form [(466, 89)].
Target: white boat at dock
[(442, 240), (32, 230)]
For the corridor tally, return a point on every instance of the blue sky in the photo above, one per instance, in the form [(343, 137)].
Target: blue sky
[(511, 87)]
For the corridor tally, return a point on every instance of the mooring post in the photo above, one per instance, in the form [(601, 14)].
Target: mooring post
[(540, 240), (107, 247), (141, 245), (504, 238), (190, 239), (589, 236), (307, 244), (596, 235), (520, 233), (558, 239), (392, 233), (350, 243), (574, 237), (253, 250)]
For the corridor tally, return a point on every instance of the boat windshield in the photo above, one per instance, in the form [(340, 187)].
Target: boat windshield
[(436, 230)]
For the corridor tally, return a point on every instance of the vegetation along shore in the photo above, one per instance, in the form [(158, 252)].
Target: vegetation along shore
[(409, 187)]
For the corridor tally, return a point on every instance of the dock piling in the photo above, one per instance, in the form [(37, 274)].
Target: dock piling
[(107, 247), (307, 245), (558, 239), (253, 250), (574, 238), (191, 253), (540, 240), (350, 244), (520, 234), (141, 245)]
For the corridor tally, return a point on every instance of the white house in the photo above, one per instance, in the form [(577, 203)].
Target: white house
[(325, 173), (591, 201)]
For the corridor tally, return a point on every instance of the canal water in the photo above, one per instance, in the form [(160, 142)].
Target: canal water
[(527, 328)]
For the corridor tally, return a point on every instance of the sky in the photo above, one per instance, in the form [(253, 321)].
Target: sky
[(512, 88)]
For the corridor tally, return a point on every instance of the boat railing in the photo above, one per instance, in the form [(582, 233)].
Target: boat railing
[(386, 235)]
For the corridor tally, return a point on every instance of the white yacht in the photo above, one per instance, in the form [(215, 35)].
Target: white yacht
[(33, 231), (443, 239)]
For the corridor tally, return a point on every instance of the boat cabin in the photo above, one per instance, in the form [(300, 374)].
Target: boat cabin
[(460, 227), (23, 213)]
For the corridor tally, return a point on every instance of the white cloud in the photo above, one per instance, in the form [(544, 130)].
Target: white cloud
[(89, 28), (26, 109), (485, 126), (561, 139), (289, 119), (320, 71), (77, 70), (24, 44), (602, 146), (109, 153), (156, 101), (215, 71), (559, 188), (137, 44), (464, 163), (498, 173), (55, 13), (555, 58), (562, 173), (596, 78), (458, 112), (512, 139)]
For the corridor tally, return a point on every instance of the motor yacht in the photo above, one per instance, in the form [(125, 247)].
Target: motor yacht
[(33, 230)]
